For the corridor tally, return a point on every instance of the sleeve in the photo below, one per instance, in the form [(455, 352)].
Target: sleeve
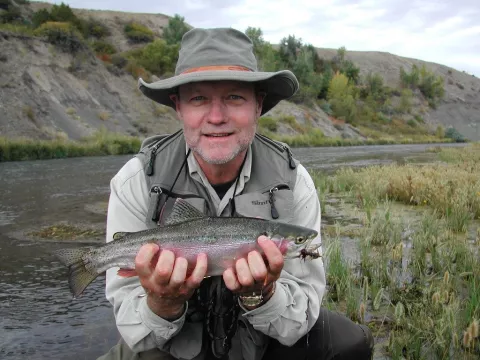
[(138, 325), (294, 307)]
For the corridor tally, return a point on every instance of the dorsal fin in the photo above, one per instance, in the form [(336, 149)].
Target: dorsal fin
[(183, 211), (118, 235)]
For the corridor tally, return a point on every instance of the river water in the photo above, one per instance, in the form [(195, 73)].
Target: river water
[(38, 317)]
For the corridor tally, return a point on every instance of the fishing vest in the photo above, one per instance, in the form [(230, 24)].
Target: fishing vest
[(267, 194)]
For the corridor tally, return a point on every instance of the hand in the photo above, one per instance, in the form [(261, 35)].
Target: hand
[(165, 281), (255, 273)]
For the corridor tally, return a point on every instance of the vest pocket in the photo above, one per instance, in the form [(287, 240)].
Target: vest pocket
[(273, 204), (162, 201)]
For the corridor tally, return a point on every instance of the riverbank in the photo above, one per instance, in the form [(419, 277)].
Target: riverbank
[(104, 143), (99, 144), (401, 244)]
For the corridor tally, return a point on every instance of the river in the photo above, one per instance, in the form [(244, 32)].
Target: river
[(38, 317)]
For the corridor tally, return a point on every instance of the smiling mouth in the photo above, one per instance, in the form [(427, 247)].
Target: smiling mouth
[(218, 135)]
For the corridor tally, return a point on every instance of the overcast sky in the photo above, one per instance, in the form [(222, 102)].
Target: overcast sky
[(442, 31)]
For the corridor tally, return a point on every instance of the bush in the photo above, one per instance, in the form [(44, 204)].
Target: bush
[(10, 15), (268, 123), (341, 97), (62, 34), (40, 17), (453, 134), (96, 29), (158, 57), (103, 47), (119, 61), (138, 33), (175, 30)]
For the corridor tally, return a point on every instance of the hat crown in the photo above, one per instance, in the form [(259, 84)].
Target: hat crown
[(215, 47)]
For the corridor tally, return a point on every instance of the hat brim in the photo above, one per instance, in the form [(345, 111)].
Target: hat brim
[(280, 85)]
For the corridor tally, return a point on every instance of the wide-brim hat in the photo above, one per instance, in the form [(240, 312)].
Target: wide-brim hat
[(221, 54)]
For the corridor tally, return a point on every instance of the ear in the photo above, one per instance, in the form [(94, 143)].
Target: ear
[(176, 100), (260, 97)]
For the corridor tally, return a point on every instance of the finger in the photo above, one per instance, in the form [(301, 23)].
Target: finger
[(179, 273), (199, 272), (163, 271), (230, 280), (144, 258), (272, 254), (257, 266), (244, 276)]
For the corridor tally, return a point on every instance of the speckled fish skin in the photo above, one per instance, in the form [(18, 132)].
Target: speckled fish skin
[(224, 240)]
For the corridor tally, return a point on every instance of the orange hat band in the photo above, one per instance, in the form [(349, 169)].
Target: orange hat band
[(216, 68)]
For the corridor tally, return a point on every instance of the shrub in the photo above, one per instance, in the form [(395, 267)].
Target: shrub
[(103, 47), (158, 57), (40, 17), (61, 34), (138, 33), (341, 97), (119, 61), (268, 123), (175, 30), (10, 15), (96, 29), (453, 134)]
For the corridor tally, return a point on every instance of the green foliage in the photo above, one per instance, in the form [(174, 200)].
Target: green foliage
[(158, 57), (119, 61), (440, 132), (341, 97), (61, 34), (11, 14), (453, 134), (99, 144), (103, 47), (175, 30), (405, 105), (40, 17), (431, 86), (138, 33), (95, 28), (373, 86), (268, 123)]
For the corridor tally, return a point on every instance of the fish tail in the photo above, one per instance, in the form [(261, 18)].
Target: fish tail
[(79, 276)]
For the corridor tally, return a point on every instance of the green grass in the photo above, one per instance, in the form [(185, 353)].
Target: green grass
[(101, 143), (416, 282)]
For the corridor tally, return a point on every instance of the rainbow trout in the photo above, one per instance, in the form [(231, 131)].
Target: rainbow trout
[(188, 232)]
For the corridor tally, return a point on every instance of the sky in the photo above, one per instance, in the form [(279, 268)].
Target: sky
[(442, 31)]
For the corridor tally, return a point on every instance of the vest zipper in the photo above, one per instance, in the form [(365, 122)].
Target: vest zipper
[(156, 212), (281, 148), (271, 200)]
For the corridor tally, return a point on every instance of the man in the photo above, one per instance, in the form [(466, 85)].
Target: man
[(264, 307)]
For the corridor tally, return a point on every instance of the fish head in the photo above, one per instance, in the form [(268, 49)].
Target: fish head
[(293, 241)]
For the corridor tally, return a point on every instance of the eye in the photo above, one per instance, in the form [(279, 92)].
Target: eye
[(300, 240), (235, 97), (198, 98)]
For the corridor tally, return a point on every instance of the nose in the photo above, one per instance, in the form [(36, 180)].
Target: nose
[(217, 112)]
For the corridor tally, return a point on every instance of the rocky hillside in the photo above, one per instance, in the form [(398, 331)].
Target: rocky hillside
[(46, 92)]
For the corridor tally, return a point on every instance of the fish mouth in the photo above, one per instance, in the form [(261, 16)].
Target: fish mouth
[(305, 252)]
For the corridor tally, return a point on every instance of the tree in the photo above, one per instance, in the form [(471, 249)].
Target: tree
[(289, 48), (341, 96), (175, 30)]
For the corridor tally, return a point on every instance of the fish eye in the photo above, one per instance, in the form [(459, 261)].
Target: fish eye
[(300, 240)]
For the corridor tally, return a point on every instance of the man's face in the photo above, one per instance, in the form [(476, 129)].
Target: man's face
[(219, 118)]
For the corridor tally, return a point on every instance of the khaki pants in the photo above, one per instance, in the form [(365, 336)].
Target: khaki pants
[(333, 337)]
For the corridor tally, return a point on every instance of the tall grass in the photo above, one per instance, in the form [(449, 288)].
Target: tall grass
[(100, 143), (417, 280)]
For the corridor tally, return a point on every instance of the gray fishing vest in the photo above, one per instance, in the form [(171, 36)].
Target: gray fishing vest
[(267, 194)]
